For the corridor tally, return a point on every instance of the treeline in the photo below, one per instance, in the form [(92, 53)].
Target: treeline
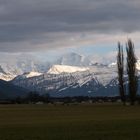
[(132, 73), (36, 98), (41, 99)]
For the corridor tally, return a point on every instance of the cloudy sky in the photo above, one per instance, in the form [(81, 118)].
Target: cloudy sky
[(52, 27)]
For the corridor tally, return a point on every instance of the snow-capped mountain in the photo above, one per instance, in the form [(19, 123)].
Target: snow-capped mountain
[(6, 76), (56, 83), (28, 75), (114, 64), (23, 64), (27, 63), (32, 74), (85, 83), (79, 76), (70, 81), (58, 69)]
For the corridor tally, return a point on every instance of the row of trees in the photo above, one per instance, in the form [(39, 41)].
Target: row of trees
[(131, 72)]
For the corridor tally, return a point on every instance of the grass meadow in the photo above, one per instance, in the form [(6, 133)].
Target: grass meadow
[(69, 122)]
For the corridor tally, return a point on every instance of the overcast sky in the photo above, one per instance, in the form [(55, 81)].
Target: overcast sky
[(85, 26)]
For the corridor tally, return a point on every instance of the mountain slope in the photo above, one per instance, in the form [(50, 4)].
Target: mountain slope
[(93, 82), (52, 82), (8, 90)]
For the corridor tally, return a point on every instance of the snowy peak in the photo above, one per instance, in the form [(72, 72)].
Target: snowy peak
[(28, 75), (31, 74), (138, 65), (58, 69), (7, 77), (114, 64)]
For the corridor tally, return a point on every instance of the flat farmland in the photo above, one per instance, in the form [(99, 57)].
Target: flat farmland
[(69, 122)]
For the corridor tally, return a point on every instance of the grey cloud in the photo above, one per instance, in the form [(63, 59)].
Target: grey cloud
[(26, 20)]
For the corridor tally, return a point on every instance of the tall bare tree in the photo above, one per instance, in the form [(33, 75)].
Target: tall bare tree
[(120, 64), (131, 71)]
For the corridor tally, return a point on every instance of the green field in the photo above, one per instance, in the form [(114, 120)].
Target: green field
[(73, 122)]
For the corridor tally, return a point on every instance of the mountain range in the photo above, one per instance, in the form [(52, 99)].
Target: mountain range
[(62, 80), (26, 63), (70, 75)]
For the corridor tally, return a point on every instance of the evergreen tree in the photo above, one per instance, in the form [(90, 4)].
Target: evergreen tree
[(120, 65), (131, 71)]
